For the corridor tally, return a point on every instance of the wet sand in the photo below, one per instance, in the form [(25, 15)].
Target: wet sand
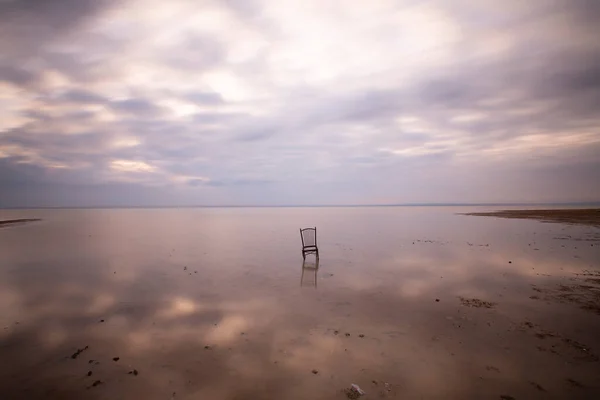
[(218, 304), (587, 216)]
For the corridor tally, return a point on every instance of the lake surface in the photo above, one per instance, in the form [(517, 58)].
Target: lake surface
[(216, 303)]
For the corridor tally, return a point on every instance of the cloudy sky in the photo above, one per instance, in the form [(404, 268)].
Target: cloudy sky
[(201, 102)]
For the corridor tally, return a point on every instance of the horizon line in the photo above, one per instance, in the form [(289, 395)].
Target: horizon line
[(451, 204)]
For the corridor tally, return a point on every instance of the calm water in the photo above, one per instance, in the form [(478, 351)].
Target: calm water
[(169, 282)]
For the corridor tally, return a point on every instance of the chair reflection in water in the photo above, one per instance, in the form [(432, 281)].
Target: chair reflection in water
[(310, 267)]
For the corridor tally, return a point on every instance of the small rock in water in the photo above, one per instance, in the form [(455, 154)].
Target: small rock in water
[(78, 352), (354, 392)]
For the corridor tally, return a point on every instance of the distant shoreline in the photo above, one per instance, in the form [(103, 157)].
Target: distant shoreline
[(581, 216), (17, 221), (586, 204)]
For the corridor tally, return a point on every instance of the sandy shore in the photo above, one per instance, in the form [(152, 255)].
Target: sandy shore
[(17, 221), (584, 216)]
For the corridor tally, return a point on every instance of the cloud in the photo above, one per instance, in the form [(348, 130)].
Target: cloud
[(16, 76), (262, 102), (80, 96)]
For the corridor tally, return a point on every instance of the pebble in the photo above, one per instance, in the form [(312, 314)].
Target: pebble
[(78, 352)]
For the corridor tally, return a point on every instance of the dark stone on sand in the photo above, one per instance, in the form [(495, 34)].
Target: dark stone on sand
[(206, 347), (347, 335), (352, 394), (314, 371), (78, 352), (510, 262), (96, 383), (361, 335), (133, 372), (437, 299), (91, 361), (574, 383), (537, 386), (101, 320), (116, 358), (506, 397), (336, 332), (89, 373)]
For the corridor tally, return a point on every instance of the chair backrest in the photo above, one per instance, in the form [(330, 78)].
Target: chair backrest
[(309, 236)]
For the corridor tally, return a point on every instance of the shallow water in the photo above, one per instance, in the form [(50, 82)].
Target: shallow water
[(214, 303)]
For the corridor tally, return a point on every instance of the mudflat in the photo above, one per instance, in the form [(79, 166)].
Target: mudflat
[(584, 216), (405, 303)]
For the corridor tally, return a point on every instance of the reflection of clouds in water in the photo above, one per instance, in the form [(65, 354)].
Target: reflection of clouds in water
[(228, 329), (101, 303), (160, 321), (179, 306)]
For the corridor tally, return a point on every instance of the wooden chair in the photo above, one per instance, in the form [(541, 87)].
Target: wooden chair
[(309, 241)]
